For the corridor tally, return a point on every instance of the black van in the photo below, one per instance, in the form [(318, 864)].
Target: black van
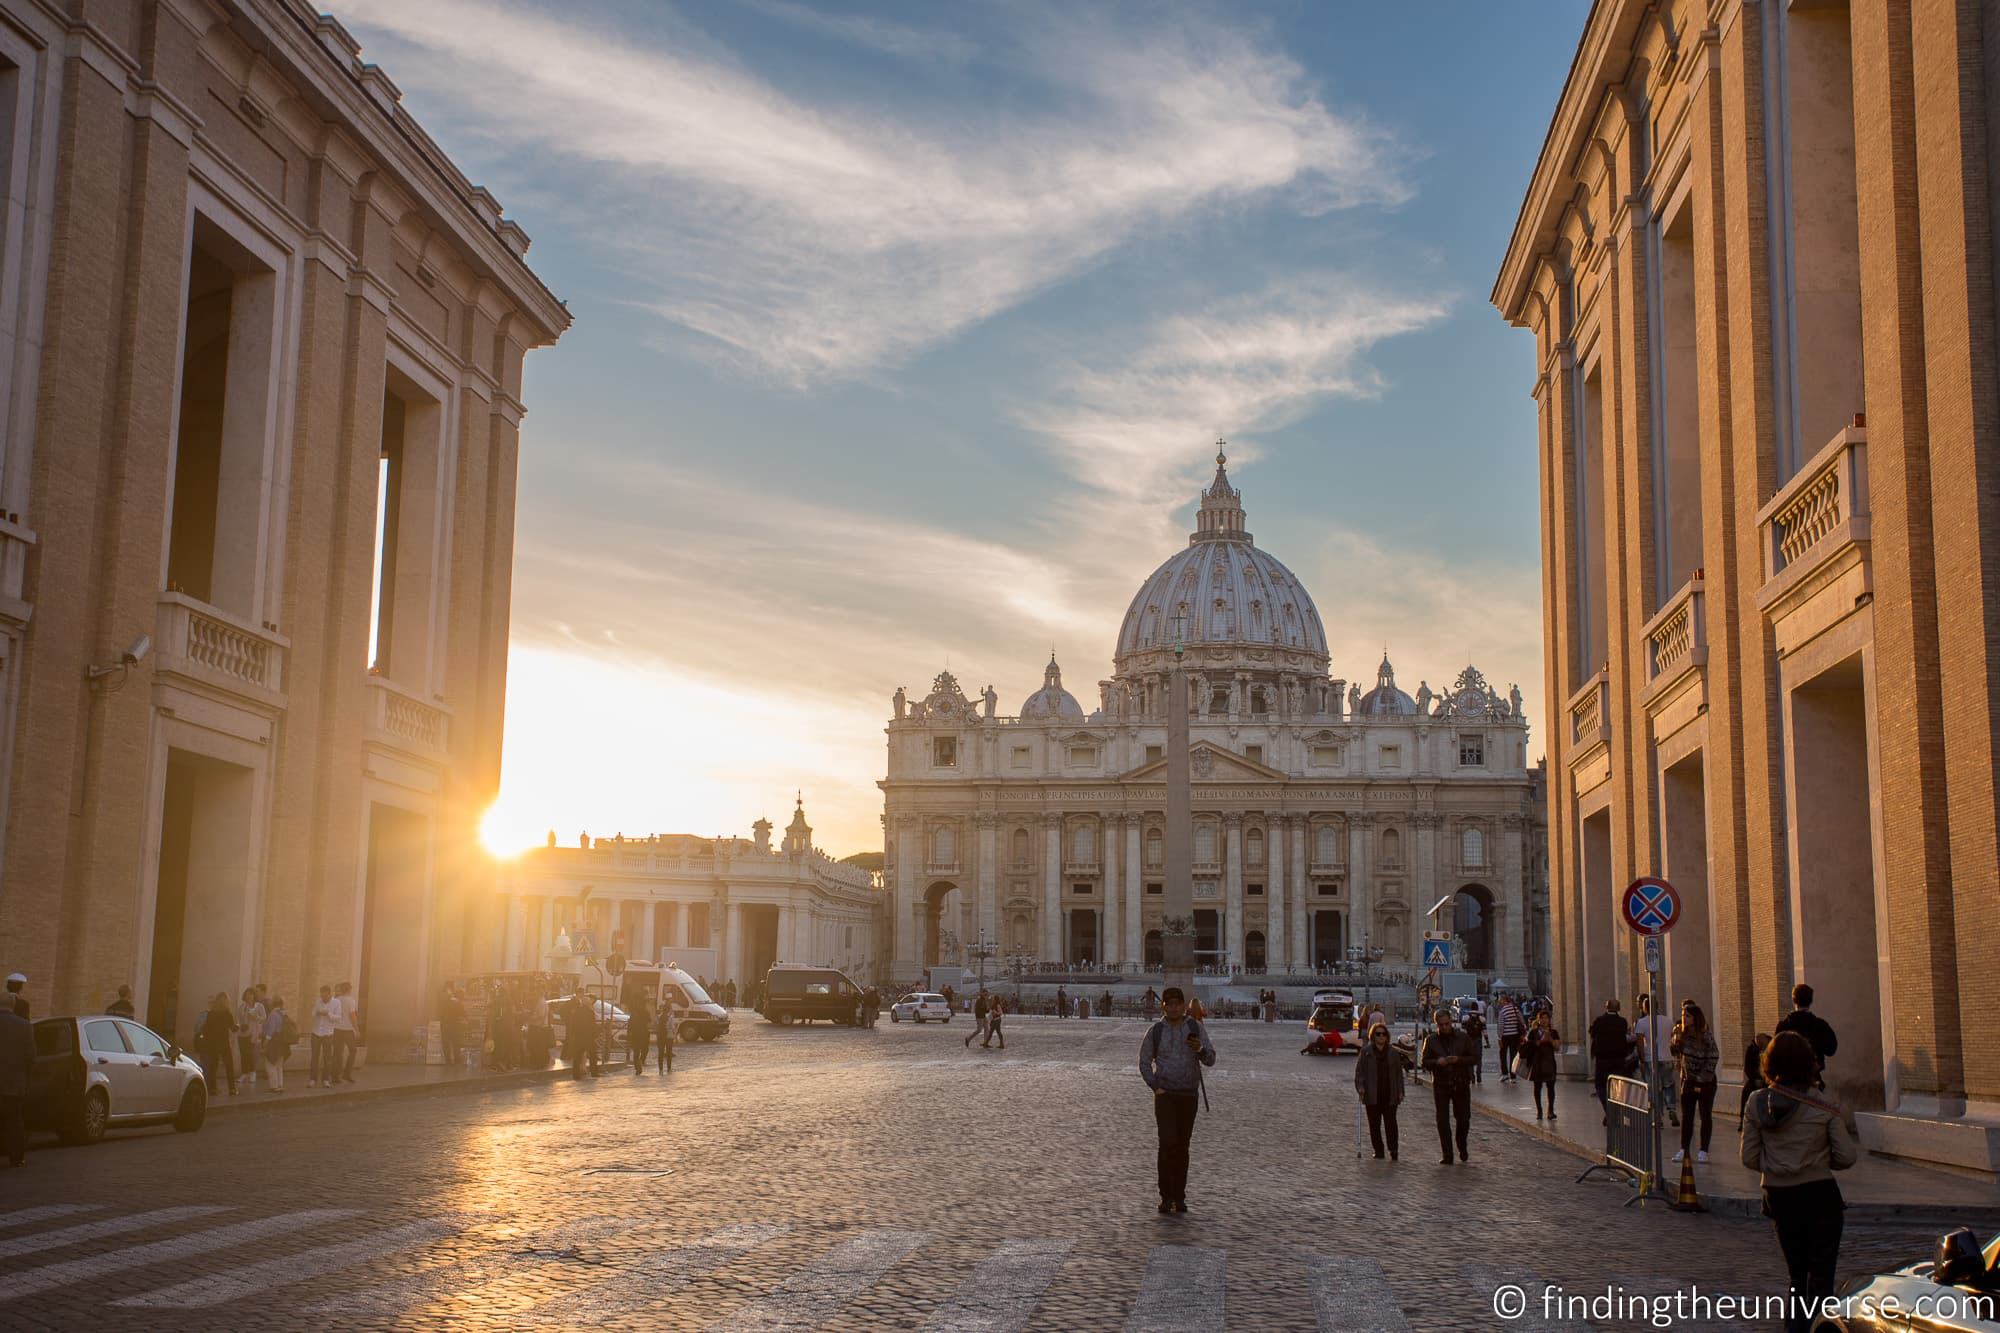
[(797, 993)]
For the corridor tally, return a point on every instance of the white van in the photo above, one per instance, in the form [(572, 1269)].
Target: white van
[(701, 1018)]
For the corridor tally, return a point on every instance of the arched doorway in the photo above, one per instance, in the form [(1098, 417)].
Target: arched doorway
[(1253, 951), (1156, 950), (941, 924), (1472, 921)]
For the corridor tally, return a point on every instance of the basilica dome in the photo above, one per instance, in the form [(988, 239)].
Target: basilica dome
[(1052, 700), (1385, 700), (1226, 593)]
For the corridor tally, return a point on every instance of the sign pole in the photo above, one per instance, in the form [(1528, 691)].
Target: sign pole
[(1652, 907), (1653, 1090)]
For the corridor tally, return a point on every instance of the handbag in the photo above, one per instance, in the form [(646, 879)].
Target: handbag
[(1521, 1065)]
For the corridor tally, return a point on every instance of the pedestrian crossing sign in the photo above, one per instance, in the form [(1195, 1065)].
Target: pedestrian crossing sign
[(1437, 953)]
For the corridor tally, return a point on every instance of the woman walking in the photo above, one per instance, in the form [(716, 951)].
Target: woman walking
[(665, 1032), (993, 1012), (1378, 1078), (1541, 1047), (1693, 1045), (1796, 1141)]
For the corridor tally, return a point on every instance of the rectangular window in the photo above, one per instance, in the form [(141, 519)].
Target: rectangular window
[(1254, 753), (1022, 757), (1154, 753), (406, 530), (1326, 756), (1218, 700), (1081, 888), (944, 751), (1254, 890), (1392, 758), (1472, 751), (1082, 756), (1326, 890), (1156, 890)]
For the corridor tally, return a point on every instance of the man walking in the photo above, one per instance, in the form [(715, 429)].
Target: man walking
[(1816, 1030), (1509, 1019), (979, 1008), (17, 1063), (1449, 1057), (1170, 1060), (1610, 1048)]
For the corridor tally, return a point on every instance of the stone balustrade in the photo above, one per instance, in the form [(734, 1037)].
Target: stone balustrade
[(1826, 501), (1677, 638), (406, 721), (213, 646)]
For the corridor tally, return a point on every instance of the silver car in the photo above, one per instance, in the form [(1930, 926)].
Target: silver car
[(100, 1071)]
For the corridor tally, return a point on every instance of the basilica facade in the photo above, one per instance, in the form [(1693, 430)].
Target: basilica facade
[(1328, 817)]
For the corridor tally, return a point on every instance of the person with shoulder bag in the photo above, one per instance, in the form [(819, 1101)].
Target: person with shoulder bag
[(1695, 1050), (1378, 1080), (1542, 1049), (1795, 1141), (1171, 1058)]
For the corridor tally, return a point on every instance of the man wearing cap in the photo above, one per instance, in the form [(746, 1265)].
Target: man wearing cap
[(17, 983), (1170, 1060)]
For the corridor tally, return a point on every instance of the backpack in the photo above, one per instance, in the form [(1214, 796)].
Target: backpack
[(288, 1031)]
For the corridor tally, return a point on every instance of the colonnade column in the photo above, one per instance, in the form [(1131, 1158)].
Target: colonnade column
[(1296, 828), (1135, 891), (1232, 889), (675, 923), (546, 940), (989, 833), (733, 942), (649, 948), (1052, 934), (1111, 923), (1513, 897), (787, 944), (510, 937), (1275, 924)]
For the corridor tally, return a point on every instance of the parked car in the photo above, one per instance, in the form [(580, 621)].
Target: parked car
[(920, 1007), (1332, 1018), (794, 993), (98, 1072), (1957, 1290)]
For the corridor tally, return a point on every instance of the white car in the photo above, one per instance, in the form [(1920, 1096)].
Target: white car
[(920, 1007)]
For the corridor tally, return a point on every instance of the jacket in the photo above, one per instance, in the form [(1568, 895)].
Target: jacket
[(1439, 1046), (1792, 1139), (1699, 1055), (17, 1052), (1365, 1072), (1542, 1049), (1165, 1061), (1610, 1038), (1814, 1029)]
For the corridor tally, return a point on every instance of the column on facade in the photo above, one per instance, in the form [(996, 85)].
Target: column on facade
[(1275, 924), (1360, 886), (1296, 828), (545, 942), (1428, 889), (1513, 899), (510, 938), (1052, 888), (673, 921), (1110, 922), (904, 944), (649, 946), (787, 943), (1232, 888), (1135, 890), (989, 886), (733, 943)]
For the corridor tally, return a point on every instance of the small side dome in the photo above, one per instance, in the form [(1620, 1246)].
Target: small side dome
[(1052, 700), (1385, 700)]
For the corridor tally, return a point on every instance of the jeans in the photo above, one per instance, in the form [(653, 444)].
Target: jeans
[(639, 1042), (322, 1059), (1697, 1097), (1380, 1119), (1550, 1085), (1509, 1048), (343, 1053), (219, 1066), (666, 1057), (246, 1057), (992, 1031), (1454, 1103), (1809, 1224), (1174, 1113)]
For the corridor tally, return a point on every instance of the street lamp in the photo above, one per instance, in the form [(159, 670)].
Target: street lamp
[(983, 950), (1364, 953)]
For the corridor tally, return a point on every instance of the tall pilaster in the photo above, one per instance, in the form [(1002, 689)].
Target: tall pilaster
[(1429, 884), (1360, 882), (788, 924), (649, 948), (1052, 934), (1295, 829), (989, 871), (1275, 924), (1113, 927), (904, 942), (1518, 911), (1232, 889), (1135, 890), (733, 943)]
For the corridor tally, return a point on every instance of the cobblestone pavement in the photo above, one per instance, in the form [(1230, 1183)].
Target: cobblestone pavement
[(792, 1178)]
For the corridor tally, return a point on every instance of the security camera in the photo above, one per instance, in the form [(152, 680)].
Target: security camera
[(137, 652)]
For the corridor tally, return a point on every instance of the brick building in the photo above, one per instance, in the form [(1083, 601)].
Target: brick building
[(1757, 255), (244, 300)]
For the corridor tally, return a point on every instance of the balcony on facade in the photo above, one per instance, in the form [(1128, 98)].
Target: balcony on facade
[(1815, 535), (1589, 713), (211, 648), (1675, 652), (936, 868), (1074, 866), (401, 721)]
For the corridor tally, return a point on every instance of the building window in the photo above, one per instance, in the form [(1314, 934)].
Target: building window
[(1082, 887), (1082, 756), (1254, 890), (1218, 700), (1023, 757), (1472, 846), (1259, 704), (1154, 753), (944, 845), (1326, 756), (944, 751), (1020, 846), (1253, 847), (1392, 847), (1204, 844), (1326, 844), (1083, 843), (1156, 848), (1326, 890), (1156, 890), (1392, 758), (1254, 753), (1472, 751)]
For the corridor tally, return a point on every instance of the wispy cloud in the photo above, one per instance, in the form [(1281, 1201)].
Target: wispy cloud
[(823, 240), (894, 39)]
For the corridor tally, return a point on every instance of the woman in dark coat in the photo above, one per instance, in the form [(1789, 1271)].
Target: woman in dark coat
[(1541, 1046), (1378, 1078), (215, 1042), (639, 1032)]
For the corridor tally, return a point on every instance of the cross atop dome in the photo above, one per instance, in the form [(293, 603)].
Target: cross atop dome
[(1220, 517)]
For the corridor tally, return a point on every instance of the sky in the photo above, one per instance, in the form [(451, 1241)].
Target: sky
[(905, 334)]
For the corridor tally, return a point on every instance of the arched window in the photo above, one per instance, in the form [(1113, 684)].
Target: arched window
[(1392, 847), (944, 845), (1156, 848), (1472, 844), (1020, 846), (1085, 842), (1253, 847), (1204, 844), (1326, 845)]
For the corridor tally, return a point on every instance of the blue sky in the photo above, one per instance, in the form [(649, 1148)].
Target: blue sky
[(904, 334)]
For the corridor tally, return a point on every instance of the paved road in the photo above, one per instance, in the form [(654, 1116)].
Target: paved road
[(793, 1178)]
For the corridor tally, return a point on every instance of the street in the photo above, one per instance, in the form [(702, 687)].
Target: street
[(827, 1177)]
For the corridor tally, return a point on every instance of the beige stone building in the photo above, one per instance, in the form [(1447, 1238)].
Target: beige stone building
[(1757, 255), (245, 301), (1326, 817), (657, 897)]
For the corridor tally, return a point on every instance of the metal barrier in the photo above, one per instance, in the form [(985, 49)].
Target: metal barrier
[(1629, 1141)]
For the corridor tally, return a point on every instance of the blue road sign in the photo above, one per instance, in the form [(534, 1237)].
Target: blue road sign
[(1437, 953), (1651, 906)]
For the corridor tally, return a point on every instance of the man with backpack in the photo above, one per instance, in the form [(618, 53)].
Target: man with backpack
[(1170, 1060), (1816, 1030)]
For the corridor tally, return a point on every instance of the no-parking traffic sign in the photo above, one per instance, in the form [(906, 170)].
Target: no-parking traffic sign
[(1650, 905)]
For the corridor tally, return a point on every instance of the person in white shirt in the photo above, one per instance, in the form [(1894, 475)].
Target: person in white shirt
[(322, 1038), (249, 1037), (1652, 1032), (344, 1033)]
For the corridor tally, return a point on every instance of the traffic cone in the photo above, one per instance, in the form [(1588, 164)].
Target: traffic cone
[(1685, 1198)]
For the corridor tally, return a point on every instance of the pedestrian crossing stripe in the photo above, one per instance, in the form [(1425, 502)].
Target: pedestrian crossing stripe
[(1184, 1288)]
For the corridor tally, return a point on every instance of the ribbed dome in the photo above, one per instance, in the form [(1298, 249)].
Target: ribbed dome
[(1231, 593), (1385, 700), (1052, 700)]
